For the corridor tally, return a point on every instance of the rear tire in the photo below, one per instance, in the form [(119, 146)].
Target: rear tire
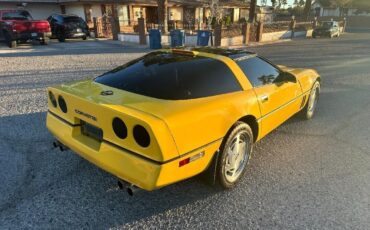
[(84, 38), (234, 155), (309, 110), (45, 41), (10, 43), (61, 39)]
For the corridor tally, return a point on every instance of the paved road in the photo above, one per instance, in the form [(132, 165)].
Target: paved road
[(307, 174)]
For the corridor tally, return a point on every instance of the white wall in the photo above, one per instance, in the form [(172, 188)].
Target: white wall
[(76, 10), (96, 11), (37, 10)]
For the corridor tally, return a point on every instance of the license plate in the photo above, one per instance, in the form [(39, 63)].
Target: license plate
[(34, 34), (91, 131), (79, 30)]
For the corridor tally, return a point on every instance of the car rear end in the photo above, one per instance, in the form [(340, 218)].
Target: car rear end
[(98, 123), (75, 27), (19, 26), (32, 30)]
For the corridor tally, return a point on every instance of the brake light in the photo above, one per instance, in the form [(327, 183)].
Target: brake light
[(19, 27), (42, 26)]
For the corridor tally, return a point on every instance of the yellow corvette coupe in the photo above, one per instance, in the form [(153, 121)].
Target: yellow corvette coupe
[(173, 114)]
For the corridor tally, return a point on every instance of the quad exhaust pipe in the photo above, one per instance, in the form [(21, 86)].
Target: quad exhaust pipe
[(58, 144), (130, 188)]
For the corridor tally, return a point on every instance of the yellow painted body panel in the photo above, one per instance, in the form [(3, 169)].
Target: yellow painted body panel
[(178, 129)]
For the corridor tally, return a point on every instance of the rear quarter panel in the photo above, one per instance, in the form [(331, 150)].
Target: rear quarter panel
[(203, 121)]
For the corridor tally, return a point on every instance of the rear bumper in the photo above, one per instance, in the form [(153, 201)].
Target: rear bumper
[(139, 171), (321, 33), (76, 35), (32, 36)]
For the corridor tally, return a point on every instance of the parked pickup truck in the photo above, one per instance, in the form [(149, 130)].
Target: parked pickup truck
[(18, 26)]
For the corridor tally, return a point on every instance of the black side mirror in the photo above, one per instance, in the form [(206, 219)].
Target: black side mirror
[(285, 77)]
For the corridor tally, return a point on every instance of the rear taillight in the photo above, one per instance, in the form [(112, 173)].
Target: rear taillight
[(119, 128), (62, 104), (42, 26), (52, 99), (141, 136), (19, 27)]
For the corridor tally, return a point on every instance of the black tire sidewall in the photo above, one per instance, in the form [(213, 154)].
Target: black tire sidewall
[(238, 127)]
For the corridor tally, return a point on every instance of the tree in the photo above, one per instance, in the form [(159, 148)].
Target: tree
[(273, 3), (361, 5), (343, 4), (163, 15), (307, 8), (296, 3), (252, 10), (283, 3), (301, 3)]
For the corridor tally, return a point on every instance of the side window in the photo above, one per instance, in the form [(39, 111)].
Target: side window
[(258, 71)]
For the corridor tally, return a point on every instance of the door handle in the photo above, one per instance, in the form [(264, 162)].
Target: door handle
[(264, 98)]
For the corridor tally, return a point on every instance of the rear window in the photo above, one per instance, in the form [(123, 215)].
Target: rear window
[(172, 76), (73, 20), (16, 15)]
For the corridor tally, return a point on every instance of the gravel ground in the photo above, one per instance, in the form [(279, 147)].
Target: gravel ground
[(307, 174)]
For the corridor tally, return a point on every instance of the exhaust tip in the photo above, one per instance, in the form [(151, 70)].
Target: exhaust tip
[(120, 185), (130, 191), (130, 188), (58, 144)]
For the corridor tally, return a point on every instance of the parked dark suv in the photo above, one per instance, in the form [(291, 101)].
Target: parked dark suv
[(68, 26)]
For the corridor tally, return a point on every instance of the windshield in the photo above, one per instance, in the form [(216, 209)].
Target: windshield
[(17, 15), (172, 76)]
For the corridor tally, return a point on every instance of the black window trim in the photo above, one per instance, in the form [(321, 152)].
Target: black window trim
[(263, 59)]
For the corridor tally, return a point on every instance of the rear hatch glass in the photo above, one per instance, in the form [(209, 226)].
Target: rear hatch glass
[(74, 22), (17, 15), (172, 76)]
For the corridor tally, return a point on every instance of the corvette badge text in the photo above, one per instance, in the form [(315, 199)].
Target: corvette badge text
[(86, 115)]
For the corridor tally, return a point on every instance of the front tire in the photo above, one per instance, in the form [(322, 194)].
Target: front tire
[(235, 153), (309, 110)]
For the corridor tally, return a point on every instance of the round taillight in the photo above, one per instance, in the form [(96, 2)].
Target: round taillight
[(62, 104), (141, 136), (52, 99), (119, 128)]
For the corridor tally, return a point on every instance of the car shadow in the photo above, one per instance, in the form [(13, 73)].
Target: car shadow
[(73, 185)]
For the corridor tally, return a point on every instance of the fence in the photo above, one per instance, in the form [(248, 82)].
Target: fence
[(226, 35)]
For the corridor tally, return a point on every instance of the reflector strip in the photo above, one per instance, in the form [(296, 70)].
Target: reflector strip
[(191, 159)]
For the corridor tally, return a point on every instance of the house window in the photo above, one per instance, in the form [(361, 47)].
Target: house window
[(236, 15), (123, 15), (138, 12), (175, 13), (199, 12)]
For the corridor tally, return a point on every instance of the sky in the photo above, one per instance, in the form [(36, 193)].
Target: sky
[(290, 2)]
